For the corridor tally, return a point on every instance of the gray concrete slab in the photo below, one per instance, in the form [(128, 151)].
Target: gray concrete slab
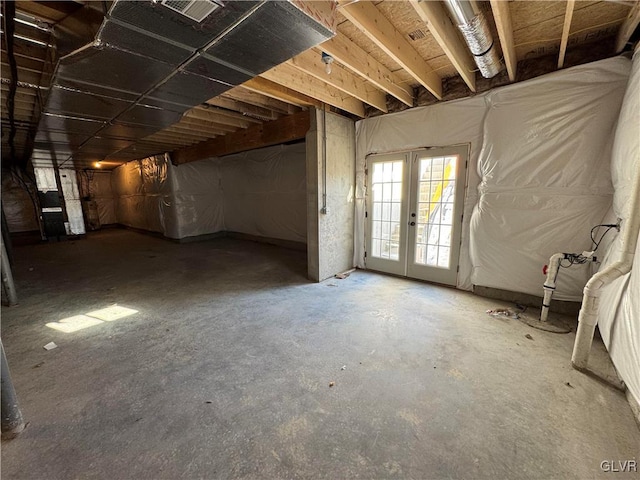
[(225, 372)]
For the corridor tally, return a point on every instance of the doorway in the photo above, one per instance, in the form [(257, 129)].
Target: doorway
[(414, 212)]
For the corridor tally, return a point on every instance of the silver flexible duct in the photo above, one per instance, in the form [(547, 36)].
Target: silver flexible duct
[(475, 30)]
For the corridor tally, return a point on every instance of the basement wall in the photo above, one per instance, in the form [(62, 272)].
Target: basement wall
[(18, 206), (259, 193), (538, 176), (619, 313), (97, 186), (330, 234), (143, 194)]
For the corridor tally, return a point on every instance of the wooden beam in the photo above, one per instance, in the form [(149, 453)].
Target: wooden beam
[(367, 18), (291, 77), (502, 17), (565, 32), (285, 129), (259, 100), (628, 27), (311, 63), (194, 132), (360, 62), (445, 33), (244, 108), (213, 114), (203, 125), (284, 94)]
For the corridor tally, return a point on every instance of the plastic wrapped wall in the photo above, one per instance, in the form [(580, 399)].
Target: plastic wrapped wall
[(97, 186), (72, 203), (265, 192), (538, 171), (545, 167), (18, 206), (619, 314), (143, 194), (260, 192)]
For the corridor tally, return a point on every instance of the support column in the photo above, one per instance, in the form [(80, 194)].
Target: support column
[(12, 421), (7, 277)]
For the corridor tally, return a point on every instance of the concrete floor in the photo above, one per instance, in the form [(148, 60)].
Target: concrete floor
[(225, 371)]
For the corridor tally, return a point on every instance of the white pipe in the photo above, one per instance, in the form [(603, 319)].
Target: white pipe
[(588, 317), (550, 284)]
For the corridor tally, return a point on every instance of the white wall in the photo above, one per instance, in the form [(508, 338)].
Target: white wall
[(260, 193), (619, 314), (265, 192), (538, 171)]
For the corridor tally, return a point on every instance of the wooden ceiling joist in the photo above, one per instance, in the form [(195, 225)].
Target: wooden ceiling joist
[(244, 108), (289, 76), (282, 130), (502, 17), (213, 114), (368, 19), (284, 94), (445, 33), (191, 131), (565, 32), (259, 100), (202, 125), (628, 27), (360, 62), (311, 63)]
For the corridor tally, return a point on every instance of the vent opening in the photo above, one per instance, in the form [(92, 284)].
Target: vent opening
[(196, 10)]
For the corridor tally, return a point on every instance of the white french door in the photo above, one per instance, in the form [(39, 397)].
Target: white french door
[(414, 212)]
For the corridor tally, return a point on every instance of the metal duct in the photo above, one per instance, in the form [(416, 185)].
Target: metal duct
[(133, 70), (475, 30)]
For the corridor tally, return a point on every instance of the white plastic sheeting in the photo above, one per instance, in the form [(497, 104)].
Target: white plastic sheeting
[(99, 189), (143, 194), (541, 149), (261, 192), (198, 197), (265, 192), (18, 206), (619, 314), (69, 183), (545, 175)]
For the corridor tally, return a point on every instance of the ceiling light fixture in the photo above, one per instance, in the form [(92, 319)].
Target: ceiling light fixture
[(327, 60)]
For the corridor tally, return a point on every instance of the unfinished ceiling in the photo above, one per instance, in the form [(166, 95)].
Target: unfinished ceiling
[(387, 56)]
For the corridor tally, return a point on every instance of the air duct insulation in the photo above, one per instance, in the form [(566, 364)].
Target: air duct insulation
[(475, 30), (134, 69)]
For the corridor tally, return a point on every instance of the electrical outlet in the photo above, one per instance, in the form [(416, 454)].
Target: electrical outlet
[(618, 224)]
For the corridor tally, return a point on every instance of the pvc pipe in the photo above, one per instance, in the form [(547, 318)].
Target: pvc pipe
[(550, 283), (588, 317), (7, 277)]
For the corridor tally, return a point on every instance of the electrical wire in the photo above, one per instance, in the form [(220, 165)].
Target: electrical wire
[(578, 258), (609, 227)]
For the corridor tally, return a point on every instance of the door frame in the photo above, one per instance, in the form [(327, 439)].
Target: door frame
[(395, 267), (402, 267)]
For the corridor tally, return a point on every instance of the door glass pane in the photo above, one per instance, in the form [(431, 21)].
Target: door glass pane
[(386, 198), (436, 194)]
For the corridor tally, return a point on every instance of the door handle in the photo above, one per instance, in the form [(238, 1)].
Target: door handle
[(412, 224)]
